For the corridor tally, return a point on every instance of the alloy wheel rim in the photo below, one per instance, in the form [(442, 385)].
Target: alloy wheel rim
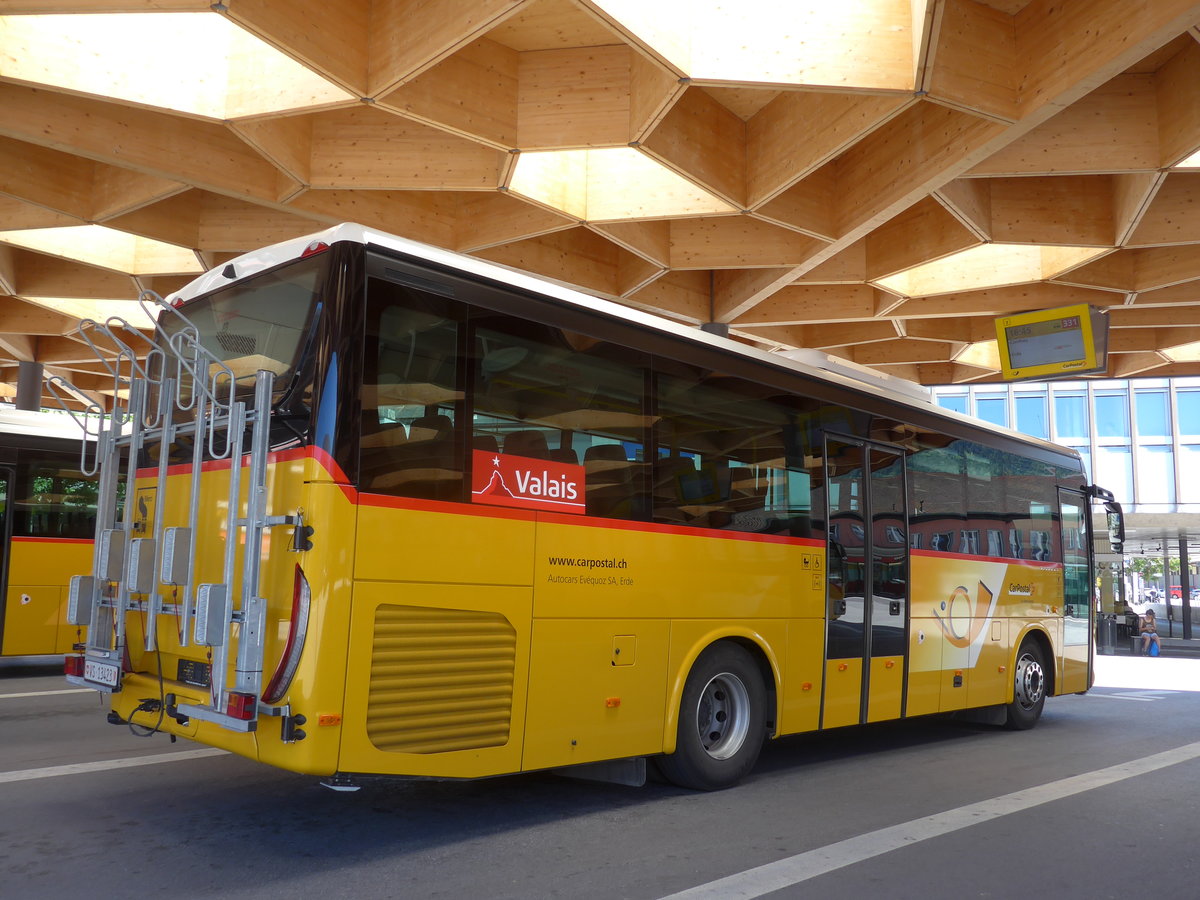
[(1031, 681), (723, 715)]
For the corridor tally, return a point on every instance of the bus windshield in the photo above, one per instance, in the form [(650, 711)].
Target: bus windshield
[(259, 323)]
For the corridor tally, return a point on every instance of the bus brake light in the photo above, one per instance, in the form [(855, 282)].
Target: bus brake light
[(294, 647), (241, 705), (73, 665)]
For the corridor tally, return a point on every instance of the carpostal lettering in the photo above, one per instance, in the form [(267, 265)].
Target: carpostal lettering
[(584, 562), (1020, 590)]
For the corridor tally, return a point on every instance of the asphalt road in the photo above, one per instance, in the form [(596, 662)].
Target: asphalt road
[(1100, 800)]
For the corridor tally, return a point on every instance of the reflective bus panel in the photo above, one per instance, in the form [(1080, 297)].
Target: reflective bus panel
[(483, 524)]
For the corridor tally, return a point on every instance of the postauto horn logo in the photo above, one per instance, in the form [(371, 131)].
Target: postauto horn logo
[(502, 479)]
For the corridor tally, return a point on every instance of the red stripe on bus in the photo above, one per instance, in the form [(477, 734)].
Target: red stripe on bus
[(52, 540), (386, 501)]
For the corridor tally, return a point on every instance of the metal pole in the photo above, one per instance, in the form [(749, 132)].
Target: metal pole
[(1167, 586), (1185, 586), (29, 385)]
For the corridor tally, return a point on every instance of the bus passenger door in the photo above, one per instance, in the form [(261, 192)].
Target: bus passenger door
[(1077, 605), (867, 588)]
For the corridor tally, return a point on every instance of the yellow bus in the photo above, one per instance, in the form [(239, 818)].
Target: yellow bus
[(47, 520), (414, 514)]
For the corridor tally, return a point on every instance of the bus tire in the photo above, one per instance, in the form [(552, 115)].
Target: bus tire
[(722, 721), (1029, 687)]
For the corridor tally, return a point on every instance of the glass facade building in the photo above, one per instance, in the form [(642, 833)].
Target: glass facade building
[(1139, 438)]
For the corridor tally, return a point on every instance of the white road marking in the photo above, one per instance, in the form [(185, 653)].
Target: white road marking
[(46, 693), (786, 872), (106, 765), (1127, 697), (1144, 696)]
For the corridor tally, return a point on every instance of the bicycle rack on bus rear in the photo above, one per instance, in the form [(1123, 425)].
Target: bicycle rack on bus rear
[(173, 388)]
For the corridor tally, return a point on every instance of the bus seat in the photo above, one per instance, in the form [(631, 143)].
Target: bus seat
[(386, 434), (486, 443), (667, 471), (431, 428), (531, 444), (564, 455), (747, 490), (610, 485), (381, 446), (427, 468), (605, 458)]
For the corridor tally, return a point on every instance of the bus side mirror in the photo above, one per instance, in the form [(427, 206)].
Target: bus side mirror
[(1116, 525)]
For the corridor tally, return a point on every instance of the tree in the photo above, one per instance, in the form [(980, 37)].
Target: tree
[(1150, 568)]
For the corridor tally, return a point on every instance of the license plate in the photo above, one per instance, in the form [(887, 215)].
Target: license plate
[(101, 673)]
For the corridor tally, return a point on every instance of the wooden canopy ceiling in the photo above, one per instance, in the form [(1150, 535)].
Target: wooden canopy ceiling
[(784, 170)]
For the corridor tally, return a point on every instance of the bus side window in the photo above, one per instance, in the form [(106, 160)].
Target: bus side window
[(410, 395), (53, 501), (939, 496), (728, 456), (544, 393)]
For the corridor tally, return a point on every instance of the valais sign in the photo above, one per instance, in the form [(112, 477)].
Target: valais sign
[(505, 480)]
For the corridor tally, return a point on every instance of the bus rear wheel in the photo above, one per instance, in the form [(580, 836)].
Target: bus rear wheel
[(1029, 688), (722, 721)]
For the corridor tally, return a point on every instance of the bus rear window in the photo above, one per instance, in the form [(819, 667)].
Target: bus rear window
[(259, 323)]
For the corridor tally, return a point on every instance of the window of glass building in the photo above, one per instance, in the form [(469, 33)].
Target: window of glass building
[(1086, 453), (955, 402), (1070, 416), (1112, 415), (1032, 418), (1189, 461), (1152, 417), (1156, 474), (1114, 470), (992, 409), (1187, 412)]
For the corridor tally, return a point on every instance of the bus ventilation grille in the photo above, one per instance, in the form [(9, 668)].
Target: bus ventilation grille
[(441, 679)]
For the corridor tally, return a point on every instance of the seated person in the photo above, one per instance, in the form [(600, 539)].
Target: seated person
[(1148, 629)]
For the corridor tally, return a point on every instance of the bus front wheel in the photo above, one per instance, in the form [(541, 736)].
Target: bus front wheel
[(722, 721), (1029, 687)]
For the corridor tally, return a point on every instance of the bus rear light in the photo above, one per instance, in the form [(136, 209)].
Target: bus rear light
[(73, 665), (294, 648), (241, 705), (314, 248)]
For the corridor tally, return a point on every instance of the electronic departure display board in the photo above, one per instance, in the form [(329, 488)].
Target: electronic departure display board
[(1053, 343)]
